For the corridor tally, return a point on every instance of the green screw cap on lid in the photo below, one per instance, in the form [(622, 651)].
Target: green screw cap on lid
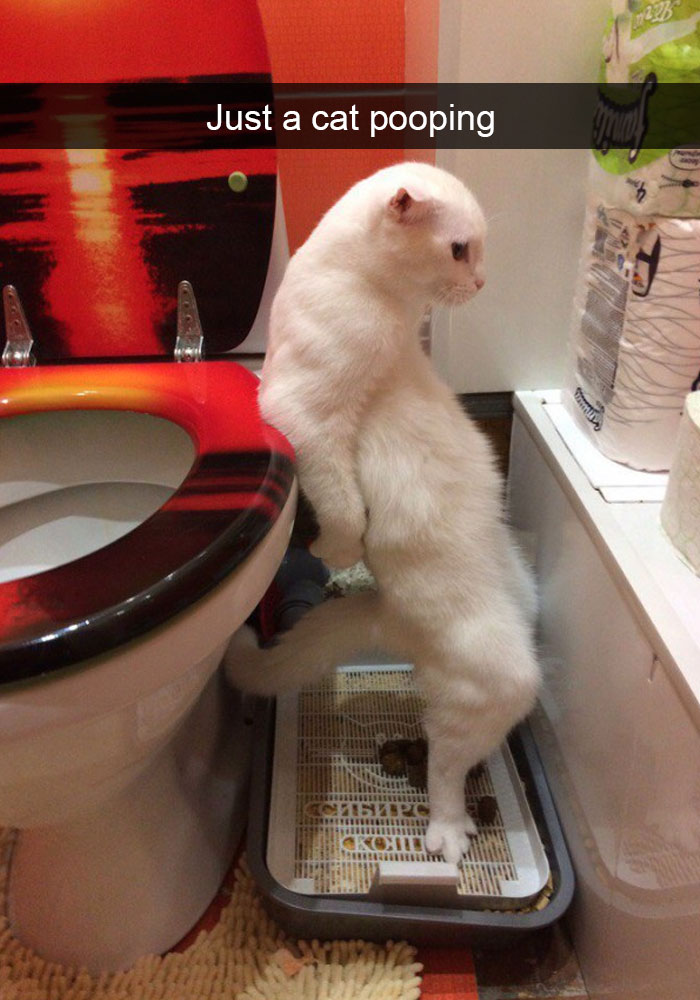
[(237, 181)]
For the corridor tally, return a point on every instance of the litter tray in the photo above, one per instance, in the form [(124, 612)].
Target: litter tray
[(336, 844)]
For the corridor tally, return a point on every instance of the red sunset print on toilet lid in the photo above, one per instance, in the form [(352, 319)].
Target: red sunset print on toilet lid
[(96, 239)]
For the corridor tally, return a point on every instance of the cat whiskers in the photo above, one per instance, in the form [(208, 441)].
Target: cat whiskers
[(444, 302), (495, 217), (453, 295), (442, 298)]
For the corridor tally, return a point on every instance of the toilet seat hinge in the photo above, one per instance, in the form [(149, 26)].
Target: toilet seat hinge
[(189, 345), (18, 337)]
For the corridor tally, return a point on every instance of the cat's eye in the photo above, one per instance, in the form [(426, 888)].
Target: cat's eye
[(460, 251)]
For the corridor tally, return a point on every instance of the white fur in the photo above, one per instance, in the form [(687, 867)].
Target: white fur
[(398, 476)]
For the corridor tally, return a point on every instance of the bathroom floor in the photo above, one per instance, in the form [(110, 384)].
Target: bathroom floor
[(544, 966), (541, 967)]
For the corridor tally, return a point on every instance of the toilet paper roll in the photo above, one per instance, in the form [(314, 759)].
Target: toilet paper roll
[(636, 333), (680, 511)]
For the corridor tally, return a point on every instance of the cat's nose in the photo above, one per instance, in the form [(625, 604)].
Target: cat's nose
[(479, 282)]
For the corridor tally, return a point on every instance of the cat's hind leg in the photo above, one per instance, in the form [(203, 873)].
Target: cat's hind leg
[(450, 824), (464, 723)]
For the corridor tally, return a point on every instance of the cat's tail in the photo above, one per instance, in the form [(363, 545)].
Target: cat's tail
[(336, 632)]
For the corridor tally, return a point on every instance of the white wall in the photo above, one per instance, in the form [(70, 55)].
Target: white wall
[(514, 334)]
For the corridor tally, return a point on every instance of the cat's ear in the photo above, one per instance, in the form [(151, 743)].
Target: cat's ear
[(409, 207)]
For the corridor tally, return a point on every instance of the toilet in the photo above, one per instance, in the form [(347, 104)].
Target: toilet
[(144, 504)]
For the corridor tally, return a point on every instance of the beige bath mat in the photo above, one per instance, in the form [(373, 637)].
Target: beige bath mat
[(244, 956)]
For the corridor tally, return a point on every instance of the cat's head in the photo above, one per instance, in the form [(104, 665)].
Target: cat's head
[(437, 229)]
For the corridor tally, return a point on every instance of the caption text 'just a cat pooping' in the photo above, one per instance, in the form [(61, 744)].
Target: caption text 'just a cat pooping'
[(431, 122)]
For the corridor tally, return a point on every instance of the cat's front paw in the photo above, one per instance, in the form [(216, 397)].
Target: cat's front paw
[(450, 838), (338, 552)]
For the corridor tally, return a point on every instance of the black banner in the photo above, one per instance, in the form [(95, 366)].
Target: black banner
[(229, 112)]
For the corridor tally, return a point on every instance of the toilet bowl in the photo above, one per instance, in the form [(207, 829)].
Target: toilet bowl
[(144, 505), (123, 757)]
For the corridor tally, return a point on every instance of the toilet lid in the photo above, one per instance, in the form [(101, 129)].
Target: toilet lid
[(96, 240)]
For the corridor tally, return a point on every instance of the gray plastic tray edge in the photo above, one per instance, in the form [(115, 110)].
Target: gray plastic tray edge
[(329, 917)]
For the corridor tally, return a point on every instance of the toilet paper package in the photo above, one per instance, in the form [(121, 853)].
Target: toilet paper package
[(650, 41), (636, 332), (680, 511), (636, 328)]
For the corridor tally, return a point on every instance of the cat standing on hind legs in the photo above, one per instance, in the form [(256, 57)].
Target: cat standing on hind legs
[(398, 476)]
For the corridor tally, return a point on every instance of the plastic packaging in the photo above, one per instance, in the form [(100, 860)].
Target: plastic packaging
[(636, 327), (645, 37), (637, 332)]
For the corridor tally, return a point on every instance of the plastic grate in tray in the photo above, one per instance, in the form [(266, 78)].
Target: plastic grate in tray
[(350, 816)]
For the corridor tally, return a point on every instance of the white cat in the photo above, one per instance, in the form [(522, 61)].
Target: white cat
[(399, 476)]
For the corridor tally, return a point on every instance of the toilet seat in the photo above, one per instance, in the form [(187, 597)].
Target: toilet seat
[(237, 486)]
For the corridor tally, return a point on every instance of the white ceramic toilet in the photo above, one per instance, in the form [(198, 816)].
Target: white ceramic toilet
[(123, 757), (144, 505)]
